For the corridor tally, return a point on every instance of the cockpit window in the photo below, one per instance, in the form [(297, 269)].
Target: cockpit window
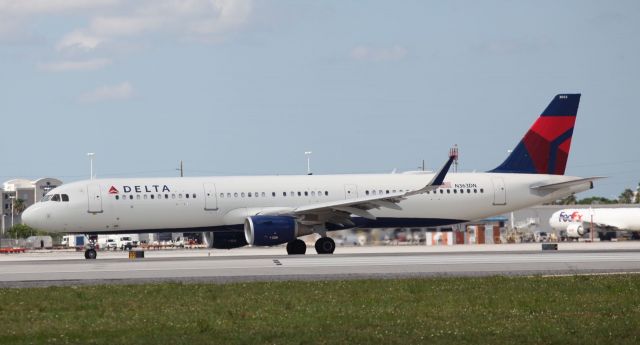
[(46, 198), (56, 197), (65, 197)]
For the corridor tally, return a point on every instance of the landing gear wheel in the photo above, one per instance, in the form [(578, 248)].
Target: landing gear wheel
[(90, 254), (296, 247), (325, 245)]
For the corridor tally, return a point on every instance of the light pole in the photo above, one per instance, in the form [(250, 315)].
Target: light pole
[(3, 215), (90, 155), (308, 154), (12, 197)]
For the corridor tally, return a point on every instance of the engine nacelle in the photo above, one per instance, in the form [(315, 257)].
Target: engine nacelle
[(575, 230), (270, 230), (228, 239)]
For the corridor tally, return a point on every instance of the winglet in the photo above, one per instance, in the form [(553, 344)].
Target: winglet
[(437, 180)]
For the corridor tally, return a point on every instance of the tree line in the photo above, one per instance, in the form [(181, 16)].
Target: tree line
[(626, 197)]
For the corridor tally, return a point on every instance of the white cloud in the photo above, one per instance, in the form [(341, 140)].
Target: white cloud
[(118, 92), (79, 40), (187, 19), (75, 65), (362, 52), (36, 7)]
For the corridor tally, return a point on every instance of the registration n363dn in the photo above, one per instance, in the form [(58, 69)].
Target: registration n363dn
[(235, 211)]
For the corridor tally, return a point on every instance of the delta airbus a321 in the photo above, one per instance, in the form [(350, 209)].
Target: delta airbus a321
[(236, 211)]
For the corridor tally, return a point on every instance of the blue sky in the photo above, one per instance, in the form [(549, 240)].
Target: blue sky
[(245, 87)]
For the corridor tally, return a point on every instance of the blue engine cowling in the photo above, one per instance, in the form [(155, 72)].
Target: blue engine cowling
[(270, 230)]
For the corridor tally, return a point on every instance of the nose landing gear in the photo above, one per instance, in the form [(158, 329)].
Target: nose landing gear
[(90, 253)]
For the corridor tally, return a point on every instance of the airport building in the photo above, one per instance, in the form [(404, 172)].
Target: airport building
[(20, 194)]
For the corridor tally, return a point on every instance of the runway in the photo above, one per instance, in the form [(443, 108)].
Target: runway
[(45, 269)]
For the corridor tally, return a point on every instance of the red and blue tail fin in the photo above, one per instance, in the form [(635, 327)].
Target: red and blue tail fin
[(545, 147)]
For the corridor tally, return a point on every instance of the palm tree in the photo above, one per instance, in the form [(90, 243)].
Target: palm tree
[(626, 197), (18, 206)]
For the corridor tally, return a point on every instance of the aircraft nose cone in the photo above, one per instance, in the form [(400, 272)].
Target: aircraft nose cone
[(30, 218)]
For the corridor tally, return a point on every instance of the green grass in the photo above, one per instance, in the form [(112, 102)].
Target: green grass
[(518, 310)]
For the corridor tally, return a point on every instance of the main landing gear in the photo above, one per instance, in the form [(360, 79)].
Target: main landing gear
[(296, 247), (324, 245)]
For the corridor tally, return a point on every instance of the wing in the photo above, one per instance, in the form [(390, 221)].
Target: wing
[(339, 212)]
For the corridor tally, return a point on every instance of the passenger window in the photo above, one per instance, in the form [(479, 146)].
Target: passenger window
[(166, 196), (380, 192), (441, 191), (373, 192), (193, 195), (173, 196), (228, 195), (221, 195), (481, 190), (187, 195), (264, 194), (299, 193), (475, 191), (256, 194), (180, 196), (249, 194), (366, 192), (159, 196), (242, 194), (461, 191), (306, 193), (145, 197), (455, 191), (131, 197), (117, 197), (448, 191), (387, 191), (65, 197), (152, 196), (284, 193), (313, 193), (319, 193), (293, 194), (235, 195), (326, 193), (138, 197), (469, 191), (273, 194)]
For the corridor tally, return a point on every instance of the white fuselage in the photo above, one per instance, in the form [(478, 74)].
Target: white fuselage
[(219, 203), (612, 218)]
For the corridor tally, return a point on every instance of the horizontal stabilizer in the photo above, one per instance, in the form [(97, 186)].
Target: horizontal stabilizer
[(560, 185)]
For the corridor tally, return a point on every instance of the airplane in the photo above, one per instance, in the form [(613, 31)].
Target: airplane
[(576, 222), (235, 211)]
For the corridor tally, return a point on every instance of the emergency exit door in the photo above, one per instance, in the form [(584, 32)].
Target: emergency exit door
[(350, 191)]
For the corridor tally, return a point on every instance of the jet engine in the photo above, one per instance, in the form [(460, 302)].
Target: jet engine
[(270, 230), (575, 230)]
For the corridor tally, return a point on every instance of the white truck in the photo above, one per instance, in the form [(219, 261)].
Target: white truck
[(74, 241), (120, 241)]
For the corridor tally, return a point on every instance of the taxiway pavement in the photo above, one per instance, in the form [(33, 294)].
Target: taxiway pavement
[(266, 264)]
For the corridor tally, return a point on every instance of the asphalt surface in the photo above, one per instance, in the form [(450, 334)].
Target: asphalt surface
[(62, 268)]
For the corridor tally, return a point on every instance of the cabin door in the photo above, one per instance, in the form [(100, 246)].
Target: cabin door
[(95, 199), (499, 191), (210, 197)]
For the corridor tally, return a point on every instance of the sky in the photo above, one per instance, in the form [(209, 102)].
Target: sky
[(244, 87)]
